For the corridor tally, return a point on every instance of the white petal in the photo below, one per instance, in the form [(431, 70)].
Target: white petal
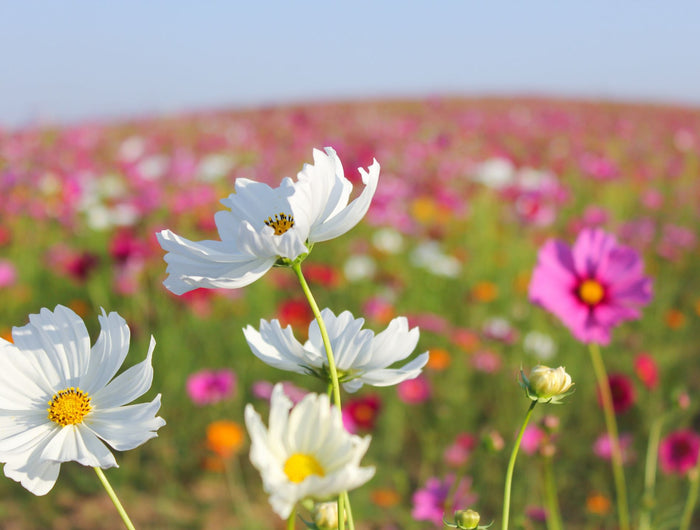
[(36, 475), (276, 346), (22, 433), (125, 428), (350, 215), (393, 344), (392, 376), (128, 385), (255, 201), (108, 353), (73, 444), (60, 337), (209, 264), (23, 385)]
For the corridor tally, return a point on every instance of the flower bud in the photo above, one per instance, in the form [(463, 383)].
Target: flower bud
[(467, 519), (546, 384), (326, 515)]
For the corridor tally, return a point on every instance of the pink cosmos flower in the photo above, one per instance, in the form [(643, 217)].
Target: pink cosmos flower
[(414, 391), (678, 452), (458, 453), (602, 447), (208, 387), (263, 390), (533, 437), (429, 503), (592, 286), (8, 273)]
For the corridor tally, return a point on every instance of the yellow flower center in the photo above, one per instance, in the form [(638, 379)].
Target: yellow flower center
[(591, 292), (69, 406), (299, 466), (281, 223)]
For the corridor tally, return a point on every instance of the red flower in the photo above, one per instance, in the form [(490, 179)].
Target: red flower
[(622, 390), (647, 371), (678, 452)]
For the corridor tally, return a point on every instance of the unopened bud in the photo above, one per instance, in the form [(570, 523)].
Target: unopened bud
[(467, 519)]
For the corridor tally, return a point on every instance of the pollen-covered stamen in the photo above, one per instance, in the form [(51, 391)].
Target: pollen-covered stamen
[(69, 406), (281, 223), (591, 292), (299, 466)]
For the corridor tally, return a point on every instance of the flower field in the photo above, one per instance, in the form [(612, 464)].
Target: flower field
[(486, 214)]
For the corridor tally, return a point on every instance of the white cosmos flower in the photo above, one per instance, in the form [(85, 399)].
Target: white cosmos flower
[(305, 453), (267, 224), (360, 356), (57, 403)]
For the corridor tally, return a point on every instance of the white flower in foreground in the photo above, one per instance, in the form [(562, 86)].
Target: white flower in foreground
[(360, 356), (57, 403), (305, 453), (265, 225)]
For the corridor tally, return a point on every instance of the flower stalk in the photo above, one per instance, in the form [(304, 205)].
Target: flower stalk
[(553, 515), (511, 467), (296, 267), (650, 473), (611, 424), (692, 499), (115, 499)]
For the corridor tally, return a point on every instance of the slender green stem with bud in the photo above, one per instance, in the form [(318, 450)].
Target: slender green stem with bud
[(115, 499), (511, 467), (296, 267), (611, 424)]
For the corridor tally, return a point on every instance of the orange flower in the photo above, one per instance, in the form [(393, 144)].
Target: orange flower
[(439, 359), (485, 291), (6, 333), (675, 319), (598, 504), (81, 307), (385, 497), (225, 437)]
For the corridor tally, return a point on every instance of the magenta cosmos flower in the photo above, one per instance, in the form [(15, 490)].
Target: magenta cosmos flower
[(592, 286), (678, 452)]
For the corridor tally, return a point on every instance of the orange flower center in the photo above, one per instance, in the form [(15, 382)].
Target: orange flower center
[(69, 406), (281, 223), (591, 292)]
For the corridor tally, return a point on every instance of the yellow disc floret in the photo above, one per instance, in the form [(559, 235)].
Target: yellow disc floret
[(69, 406), (591, 292), (281, 223), (300, 465)]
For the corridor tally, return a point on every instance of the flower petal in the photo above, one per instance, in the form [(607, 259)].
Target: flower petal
[(344, 220), (61, 337), (75, 444), (36, 475), (392, 376), (108, 353), (127, 427), (276, 346), (129, 385), (209, 264)]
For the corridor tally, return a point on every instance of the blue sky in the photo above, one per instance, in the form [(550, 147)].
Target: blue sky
[(75, 60)]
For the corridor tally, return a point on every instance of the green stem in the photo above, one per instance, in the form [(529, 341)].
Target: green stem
[(351, 522), (553, 514), (511, 467), (115, 499), (611, 424), (650, 473), (692, 499), (290, 519), (296, 267)]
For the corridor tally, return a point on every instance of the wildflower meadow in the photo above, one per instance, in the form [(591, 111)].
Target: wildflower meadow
[(465, 313)]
